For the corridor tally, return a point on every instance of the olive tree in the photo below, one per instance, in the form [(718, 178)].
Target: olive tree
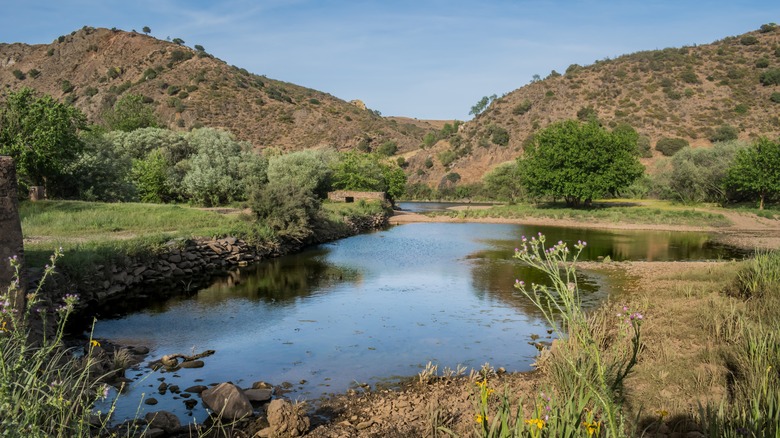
[(756, 171), (580, 161)]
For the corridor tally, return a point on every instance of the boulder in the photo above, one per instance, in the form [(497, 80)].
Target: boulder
[(259, 395), (164, 420), (227, 401), (286, 419)]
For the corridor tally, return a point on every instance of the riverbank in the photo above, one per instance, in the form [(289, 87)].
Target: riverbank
[(736, 228)]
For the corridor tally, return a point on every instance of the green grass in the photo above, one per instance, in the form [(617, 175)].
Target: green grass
[(96, 232), (660, 214)]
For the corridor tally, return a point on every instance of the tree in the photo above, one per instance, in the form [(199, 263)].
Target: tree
[(310, 169), (146, 30), (481, 105), (696, 175), (178, 41), (504, 182), (756, 171), (199, 48), (358, 171), (579, 161), (40, 133), (130, 113)]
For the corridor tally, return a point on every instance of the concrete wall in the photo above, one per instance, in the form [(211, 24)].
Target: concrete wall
[(11, 243), (350, 196)]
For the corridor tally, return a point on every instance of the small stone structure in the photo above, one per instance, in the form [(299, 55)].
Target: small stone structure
[(11, 243), (351, 196)]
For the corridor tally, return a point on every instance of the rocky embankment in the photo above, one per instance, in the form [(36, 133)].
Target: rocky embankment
[(183, 266)]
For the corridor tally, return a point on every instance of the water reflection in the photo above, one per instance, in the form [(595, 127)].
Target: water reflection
[(369, 307)]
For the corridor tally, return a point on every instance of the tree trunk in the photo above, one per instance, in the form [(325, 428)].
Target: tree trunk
[(761, 202)]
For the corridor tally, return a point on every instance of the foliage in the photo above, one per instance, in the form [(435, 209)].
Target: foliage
[(756, 171), (290, 210), (504, 182), (199, 48), (146, 29), (770, 77), (130, 113), (587, 114), (748, 40), (178, 41), (446, 157), (643, 146), (579, 161), (40, 133), (100, 173), (669, 146), (775, 97), (522, 107), (387, 149), (180, 55), (498, 135), (359, 171), (45, 391), (481, 105), (696, 175), (216, 170), (18, 74), (150, 176), (308, 169), (724, 133)]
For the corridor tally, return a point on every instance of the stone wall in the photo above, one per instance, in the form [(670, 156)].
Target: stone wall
[(352, 196), (11, 243)]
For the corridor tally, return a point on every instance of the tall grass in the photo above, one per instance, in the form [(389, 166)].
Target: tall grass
[(587, 365), (753, 354), (45, 390)]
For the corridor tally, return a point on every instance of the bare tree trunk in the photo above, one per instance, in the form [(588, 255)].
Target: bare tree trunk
[(11, 243)]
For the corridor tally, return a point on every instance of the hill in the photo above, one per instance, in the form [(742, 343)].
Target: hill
[(686, 92), (91, 68)]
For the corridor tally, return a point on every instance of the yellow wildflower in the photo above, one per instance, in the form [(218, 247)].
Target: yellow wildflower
[(592, 427), (3, 327), (663, 413), (94, 343), (479, 419), (538, 422)]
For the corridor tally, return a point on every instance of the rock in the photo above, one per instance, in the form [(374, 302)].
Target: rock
[(174, 388), (175, 258), (162, 388), (154, 432), (169, 361), (139, 270), (164, 420), (178, 272), (192, 364), (287, 420), (262, 385), (190, 403), (364, 425), (139, 350), (197, 389), (259, 395), (227, 401), (694, 434), (231, 240), (151, 401)]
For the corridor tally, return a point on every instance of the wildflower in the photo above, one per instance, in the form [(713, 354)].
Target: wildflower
[(663, 413), (538, 422), (480, 419), (635, 315), (104, 392), (94, 343), (4, 327), (592, 427)]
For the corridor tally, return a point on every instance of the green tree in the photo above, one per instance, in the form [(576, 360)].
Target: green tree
[(178, 41), (756, 171), (481, 105), (150, 176), (696, 175), (40, 133), (290, 210), (130, 113), (579, 161), (358, 171), (146, 30), (310, 169), (504, 182)]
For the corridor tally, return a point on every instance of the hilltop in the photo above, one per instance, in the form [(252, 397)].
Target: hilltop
[(92, 67), (686, 92)]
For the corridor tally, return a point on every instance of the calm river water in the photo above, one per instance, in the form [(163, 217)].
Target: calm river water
[(370, 308)]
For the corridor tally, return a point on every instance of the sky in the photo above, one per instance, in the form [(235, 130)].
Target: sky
[(428, 59)]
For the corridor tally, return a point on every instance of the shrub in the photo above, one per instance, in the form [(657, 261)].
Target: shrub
[(18, 74), (741, 108), (428, 162), (429, 139), (724, 133), (498, 135), (100, 173), (689, 76), (150, 176), (587, 113), (178, 41), (314, 101), (696, 175), (522, 108), (643, 146), (768, 27), (310, 169), (180, 55), (670, 146), (113, 72), (770, 77), (290, 210), (129, 113), (762, 63), (90, 91), (387, 149), (775, 97), (50, 52), (447, 157), (199, 48), (748, 40), (150, 73), (34, 73), (66, 86)]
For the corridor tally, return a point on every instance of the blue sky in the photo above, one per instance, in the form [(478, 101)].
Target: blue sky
[(430, 59)]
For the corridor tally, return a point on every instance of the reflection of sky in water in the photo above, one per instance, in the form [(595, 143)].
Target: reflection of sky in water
[(358, 310)]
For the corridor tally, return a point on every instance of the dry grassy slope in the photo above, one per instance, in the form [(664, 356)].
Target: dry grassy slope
[(266, 112), (648, 90)]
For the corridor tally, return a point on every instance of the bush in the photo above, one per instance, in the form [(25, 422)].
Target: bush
[(762, 63), (696, 175), (90, 91), (387, 149), (522, 107), (130, 113), (724, 133), (768, 27), (775, 97), (748, 40), (66, 86), (180, 55), (34, 73), (643, 146), (309, 169), (149, 74), (670, 146), (428, 162), (447, 157), (770, 77), (689, 76), (587, 114), (18, 74), (113, 72), (290, 210), (498, 135), (150, 176)]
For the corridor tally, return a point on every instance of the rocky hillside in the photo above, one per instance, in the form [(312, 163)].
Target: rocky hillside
[(92, 68), (686, 92)]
